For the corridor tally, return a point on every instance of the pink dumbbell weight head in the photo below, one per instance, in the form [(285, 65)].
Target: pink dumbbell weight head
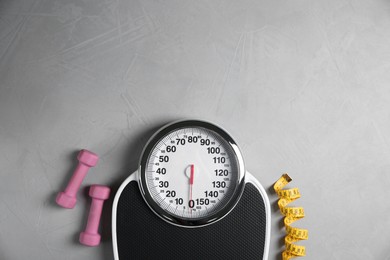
[(91, 237), (87, 159)]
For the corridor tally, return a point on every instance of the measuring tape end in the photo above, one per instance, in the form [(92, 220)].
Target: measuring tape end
[(287, 177)]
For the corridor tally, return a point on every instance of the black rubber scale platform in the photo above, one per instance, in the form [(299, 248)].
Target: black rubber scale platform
[(143, 235)]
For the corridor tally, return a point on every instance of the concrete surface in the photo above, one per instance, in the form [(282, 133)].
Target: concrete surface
[(304, 87)]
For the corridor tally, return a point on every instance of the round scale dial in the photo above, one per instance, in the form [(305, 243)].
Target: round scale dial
[(191, 173)]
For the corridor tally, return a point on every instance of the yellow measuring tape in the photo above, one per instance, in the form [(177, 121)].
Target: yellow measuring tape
[(291, 214)]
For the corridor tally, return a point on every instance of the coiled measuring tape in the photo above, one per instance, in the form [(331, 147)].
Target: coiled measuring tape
[(291, 214)]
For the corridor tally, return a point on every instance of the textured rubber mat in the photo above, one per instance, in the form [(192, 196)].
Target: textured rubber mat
[(143, 235)]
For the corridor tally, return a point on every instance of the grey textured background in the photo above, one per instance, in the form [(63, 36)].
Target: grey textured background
[(304, 87)]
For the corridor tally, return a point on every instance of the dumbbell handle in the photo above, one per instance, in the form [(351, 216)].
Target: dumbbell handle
[(94, 216), (76, 180)]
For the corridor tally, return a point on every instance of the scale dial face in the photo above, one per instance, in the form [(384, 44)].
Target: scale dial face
[(191, 173)]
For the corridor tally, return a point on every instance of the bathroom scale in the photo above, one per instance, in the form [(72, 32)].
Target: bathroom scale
[(191, 198)]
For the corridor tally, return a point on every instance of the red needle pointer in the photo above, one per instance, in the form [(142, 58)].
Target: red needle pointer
[(191, 181), (192, 174)]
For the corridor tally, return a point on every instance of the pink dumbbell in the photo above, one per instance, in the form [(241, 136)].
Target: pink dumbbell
[(67, 199), (91, 237)]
